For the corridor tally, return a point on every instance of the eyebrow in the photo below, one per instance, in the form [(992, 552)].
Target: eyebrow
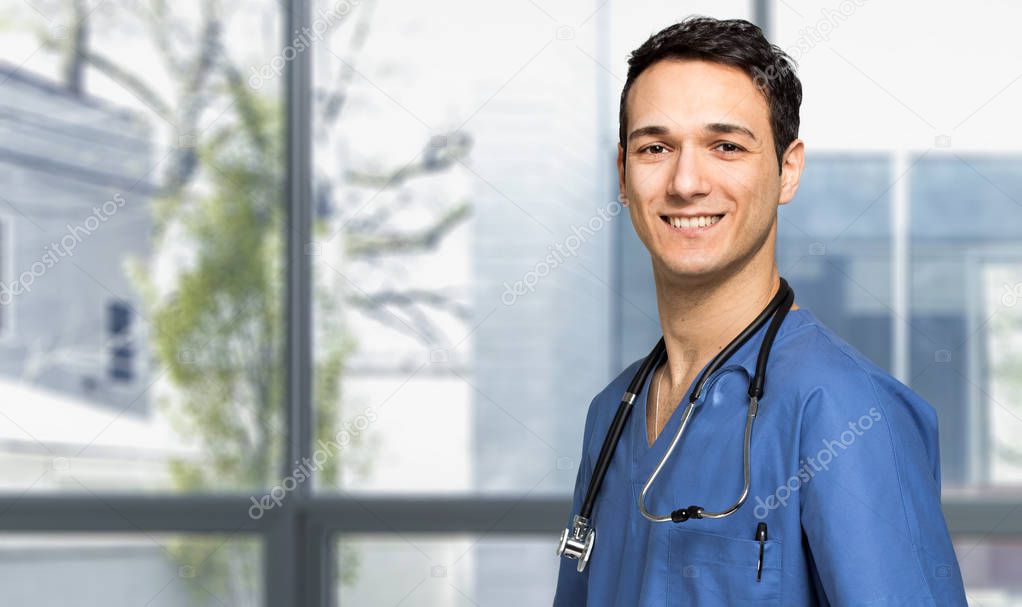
[(713, 127), (653, 130), (724, 128)]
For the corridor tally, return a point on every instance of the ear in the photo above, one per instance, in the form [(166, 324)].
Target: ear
[(791, 170), (621, 175)]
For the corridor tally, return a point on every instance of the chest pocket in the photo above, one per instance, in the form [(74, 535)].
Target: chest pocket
[(706, 569)]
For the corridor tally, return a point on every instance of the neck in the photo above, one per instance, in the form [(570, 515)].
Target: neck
[(701, 315)]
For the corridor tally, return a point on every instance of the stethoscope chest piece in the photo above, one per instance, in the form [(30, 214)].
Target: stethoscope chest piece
[(577, 543)]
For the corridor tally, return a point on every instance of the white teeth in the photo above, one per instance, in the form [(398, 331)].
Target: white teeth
[(694, 222)]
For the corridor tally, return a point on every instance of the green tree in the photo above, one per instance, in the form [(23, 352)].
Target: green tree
[(217, 331), (219, 334)]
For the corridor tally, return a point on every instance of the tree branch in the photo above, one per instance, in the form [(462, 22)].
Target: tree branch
[(423, 330), (367, 245), (245, 103), (412, 297), (157, 21), (333, 104), (194, 101), (440, 153), (74, 64), (126, 79)]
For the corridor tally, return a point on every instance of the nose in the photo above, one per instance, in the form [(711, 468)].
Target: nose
[(689, 180)]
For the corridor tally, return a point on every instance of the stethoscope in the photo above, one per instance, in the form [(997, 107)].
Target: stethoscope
[(577, 542)]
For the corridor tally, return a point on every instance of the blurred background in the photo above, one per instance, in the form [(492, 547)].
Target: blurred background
[(286, 316)]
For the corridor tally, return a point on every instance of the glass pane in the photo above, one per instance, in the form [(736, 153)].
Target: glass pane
[(114, 570), (990, 569), (463, 570), (464, 275), (884, 76), (874, 79), (445, 571), (466, 570), (966, 288), (141, 246)]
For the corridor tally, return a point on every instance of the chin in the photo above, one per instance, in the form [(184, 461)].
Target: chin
[(690, 268)]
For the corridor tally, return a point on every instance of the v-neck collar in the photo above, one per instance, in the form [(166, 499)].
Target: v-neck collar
[(745, 358), (671, 426)]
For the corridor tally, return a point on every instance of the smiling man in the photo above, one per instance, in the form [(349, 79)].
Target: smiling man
[(843, 502)]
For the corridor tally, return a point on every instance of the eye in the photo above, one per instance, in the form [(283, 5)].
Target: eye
[(650, 147), (729, 148)]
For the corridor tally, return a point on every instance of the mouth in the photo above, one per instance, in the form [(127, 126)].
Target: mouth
[(692, 226)]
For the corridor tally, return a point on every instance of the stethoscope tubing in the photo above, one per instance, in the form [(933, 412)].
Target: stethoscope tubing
[(755, 393), (778, 309)]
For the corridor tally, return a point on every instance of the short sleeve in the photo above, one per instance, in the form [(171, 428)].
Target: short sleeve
[(572, 586), (870, 504)]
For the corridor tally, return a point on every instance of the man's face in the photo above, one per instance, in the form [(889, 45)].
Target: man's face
[(699, 144)]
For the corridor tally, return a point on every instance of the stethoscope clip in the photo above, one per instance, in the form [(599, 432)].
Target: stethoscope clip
[(577, 543)]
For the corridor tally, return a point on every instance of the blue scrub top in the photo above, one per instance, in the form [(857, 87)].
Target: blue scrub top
[(845, 472)]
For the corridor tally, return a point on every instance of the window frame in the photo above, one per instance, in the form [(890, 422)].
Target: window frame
[(298, 539)]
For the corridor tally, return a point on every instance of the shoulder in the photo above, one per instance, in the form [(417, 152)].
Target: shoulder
[(836, 383)]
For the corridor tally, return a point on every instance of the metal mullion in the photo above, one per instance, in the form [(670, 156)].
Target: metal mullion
[(992, 515), (98, 513), (998, 514), (440, 514), (318, 576), (761, 16), (288, 551), (298, 351)]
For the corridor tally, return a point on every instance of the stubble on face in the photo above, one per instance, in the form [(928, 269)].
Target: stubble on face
[(713, 153)]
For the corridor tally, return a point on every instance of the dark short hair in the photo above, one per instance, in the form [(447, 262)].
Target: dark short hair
[(734, 42)]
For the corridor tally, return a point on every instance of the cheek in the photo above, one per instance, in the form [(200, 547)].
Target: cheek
[(641, 218), (646, 180), (769, 181), (633, 216), (755, 195), (644, 231), (743, 180)]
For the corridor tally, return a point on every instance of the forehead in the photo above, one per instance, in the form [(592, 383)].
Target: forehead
[(684, 94)]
